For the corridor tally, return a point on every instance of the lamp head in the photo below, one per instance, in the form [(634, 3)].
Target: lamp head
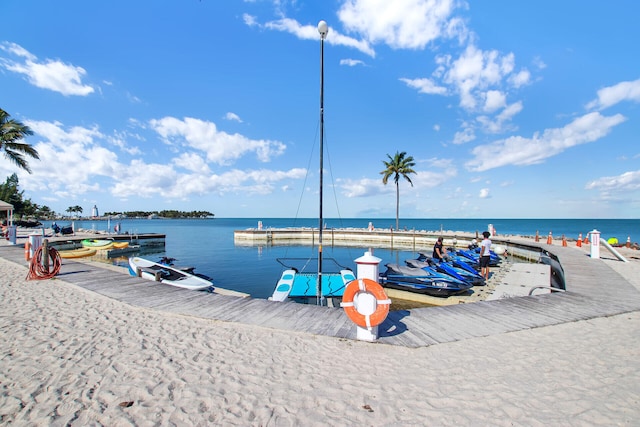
[(323, 29)]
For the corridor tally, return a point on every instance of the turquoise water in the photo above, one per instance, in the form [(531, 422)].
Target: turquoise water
[(208, 244)]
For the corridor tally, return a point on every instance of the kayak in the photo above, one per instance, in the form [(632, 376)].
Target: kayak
[(77, 253)]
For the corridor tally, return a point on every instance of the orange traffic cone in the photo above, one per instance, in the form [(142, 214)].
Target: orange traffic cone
[(586, 239), (579, 241), (549, 239), (537, 236), (628, 245), (564, 241)]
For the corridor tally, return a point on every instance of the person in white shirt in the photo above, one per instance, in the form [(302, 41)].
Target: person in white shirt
[(485, 255)]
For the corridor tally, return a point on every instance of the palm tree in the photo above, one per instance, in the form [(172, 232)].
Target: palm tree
[(11, 132), (75, 209), (398, 166)]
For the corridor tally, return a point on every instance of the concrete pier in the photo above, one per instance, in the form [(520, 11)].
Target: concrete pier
[(354, 237)]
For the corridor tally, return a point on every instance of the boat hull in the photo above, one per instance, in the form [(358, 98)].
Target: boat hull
[(166, 274), (422, 281), (425, 289)]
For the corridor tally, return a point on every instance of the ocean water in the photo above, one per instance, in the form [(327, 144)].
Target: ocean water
[(208, 244)]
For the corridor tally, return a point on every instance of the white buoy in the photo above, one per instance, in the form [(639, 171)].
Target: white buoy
[(499, 250)]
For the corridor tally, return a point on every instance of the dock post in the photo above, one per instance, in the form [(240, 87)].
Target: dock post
[(367, 268), (45, 255), (595, 243)]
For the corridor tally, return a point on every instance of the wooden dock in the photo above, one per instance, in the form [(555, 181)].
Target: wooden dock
[(593, 290)]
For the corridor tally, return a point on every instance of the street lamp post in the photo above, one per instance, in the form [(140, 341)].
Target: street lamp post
[(323, 29)]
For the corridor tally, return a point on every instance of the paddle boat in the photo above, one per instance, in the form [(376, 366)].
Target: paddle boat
[(167, 274), (301, 286)]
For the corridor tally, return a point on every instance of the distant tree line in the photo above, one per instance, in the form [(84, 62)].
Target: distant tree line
[(22, 208), (162, 214)]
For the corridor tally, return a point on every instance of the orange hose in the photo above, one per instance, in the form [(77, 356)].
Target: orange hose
[(37, 270)]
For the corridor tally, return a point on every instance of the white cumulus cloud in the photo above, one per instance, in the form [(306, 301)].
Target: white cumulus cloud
[(220, 147), (49, 74), (623, 91), (518, 150)]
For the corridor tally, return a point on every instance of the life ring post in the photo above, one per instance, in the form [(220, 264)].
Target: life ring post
[(365, 301), (367, 305)]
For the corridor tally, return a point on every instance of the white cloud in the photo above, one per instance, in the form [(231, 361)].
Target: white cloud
[(220, 147), (69, 160), (539, 63), (147, 180), (351, 62), (76, 161), (494, 99), (467, 134), (520, 78), (362, 188), (628, 181), (151, 180), (408, 24), (623, 91), (249, 20), (475, 72), (484, 193), (434, 177), (481, 79), (498, 123), (233, 117), (53, 75), (192, 162), (425, 86), (518, 150), (310, 32)]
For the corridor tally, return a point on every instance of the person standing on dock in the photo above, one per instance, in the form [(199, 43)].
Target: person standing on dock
[(485, 255), (439, 252)]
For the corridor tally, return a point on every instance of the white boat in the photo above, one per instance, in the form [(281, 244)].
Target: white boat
[(167, 274), (320, 286)]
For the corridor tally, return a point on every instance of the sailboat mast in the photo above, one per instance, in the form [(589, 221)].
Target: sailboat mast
[(323, 29)]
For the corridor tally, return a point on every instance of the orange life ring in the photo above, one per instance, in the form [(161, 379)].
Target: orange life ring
[(359, 286)]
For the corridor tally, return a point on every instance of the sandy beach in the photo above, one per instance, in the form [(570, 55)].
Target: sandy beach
[(72, 357)]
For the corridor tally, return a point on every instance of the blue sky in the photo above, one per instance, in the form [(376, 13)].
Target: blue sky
[(510, 109)]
